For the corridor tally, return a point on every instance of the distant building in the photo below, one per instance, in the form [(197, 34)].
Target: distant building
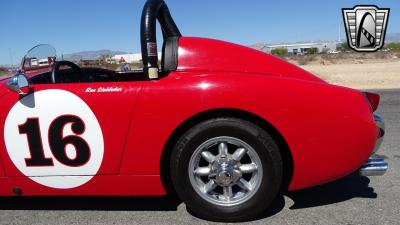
[(130, 58), (301, 48), (110, 60)]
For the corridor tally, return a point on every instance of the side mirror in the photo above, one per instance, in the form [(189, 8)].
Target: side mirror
[(19, 83)]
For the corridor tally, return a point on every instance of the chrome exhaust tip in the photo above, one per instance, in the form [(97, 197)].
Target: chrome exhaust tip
[(374, 166)]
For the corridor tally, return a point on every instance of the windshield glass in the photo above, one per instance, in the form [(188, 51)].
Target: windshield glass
[(40, 56), (116, 61)]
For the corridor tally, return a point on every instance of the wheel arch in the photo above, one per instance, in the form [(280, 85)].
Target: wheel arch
[(288, 165)]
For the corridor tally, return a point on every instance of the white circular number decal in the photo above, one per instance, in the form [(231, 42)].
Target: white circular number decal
[(54, 138)]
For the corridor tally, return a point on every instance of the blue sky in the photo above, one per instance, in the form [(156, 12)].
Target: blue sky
[(73, 26)]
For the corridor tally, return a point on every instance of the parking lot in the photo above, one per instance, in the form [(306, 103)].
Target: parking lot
[(352, 200)]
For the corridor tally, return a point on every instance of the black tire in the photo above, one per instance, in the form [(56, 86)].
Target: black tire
[(248, 132)]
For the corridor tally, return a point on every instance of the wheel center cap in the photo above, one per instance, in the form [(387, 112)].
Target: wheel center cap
[(224, 172)]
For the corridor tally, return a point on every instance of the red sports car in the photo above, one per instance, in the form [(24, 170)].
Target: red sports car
[(225, 127)]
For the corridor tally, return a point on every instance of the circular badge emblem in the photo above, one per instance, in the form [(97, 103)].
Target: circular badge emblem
[(54, 138)]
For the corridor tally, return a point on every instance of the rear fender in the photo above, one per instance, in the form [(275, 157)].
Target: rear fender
[(329, 129)]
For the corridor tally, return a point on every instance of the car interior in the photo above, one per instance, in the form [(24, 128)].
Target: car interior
[(88, 75), (67, 74)]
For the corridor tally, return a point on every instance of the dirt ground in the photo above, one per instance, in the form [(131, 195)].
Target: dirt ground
[(358, 73)]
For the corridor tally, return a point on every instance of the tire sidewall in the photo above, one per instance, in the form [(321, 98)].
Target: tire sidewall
[(251, 134)]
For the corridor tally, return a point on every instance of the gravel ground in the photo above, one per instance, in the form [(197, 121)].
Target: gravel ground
[(362, 75), (352, 200)]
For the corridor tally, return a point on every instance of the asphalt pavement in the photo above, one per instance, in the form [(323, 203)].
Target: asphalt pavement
[(351, 200)]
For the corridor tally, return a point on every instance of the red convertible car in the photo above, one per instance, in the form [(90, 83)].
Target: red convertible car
[(225, 127)]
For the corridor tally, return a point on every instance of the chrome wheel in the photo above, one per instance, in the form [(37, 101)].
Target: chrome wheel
[(225, 171)]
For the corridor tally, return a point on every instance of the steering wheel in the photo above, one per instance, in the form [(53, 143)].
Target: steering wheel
[(57, 77)]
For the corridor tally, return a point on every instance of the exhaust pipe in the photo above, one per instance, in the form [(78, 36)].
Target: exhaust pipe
[(375, 166)]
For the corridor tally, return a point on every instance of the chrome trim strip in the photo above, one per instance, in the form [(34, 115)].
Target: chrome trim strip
[(380, 124)]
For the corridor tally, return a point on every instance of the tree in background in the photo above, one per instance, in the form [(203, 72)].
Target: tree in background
[(280, 52), (343, 47), (393, 46), (312, 51)]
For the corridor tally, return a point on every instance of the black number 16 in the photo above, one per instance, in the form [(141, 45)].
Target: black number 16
[(57, 142)]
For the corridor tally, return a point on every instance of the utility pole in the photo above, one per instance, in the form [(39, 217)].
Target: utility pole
[(11, 58)]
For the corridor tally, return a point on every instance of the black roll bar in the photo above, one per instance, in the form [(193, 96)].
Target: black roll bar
[(155, 10)]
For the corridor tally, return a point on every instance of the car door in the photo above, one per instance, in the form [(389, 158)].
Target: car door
[(74, 129), (2, 174)]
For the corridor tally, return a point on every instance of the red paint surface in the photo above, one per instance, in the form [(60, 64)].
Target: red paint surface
[(2, 174), (200, 54), (329, 129)]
